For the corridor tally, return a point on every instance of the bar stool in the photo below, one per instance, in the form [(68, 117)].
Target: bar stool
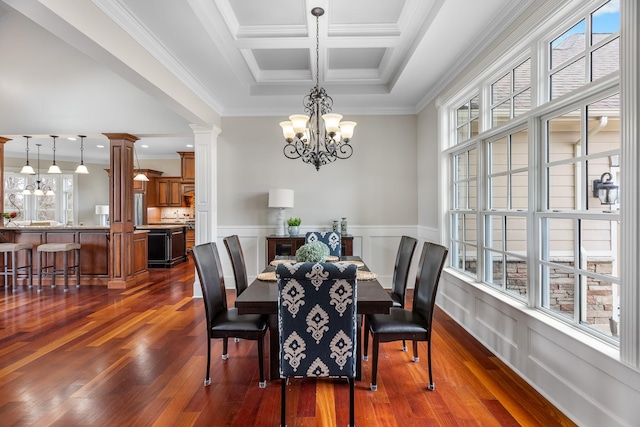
[(51, 270), (14, 248)]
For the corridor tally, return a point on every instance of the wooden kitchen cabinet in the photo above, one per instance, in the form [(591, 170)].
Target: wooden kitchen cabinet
[(188, 165), (167, 192)]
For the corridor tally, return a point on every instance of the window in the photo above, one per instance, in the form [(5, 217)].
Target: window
[(467, 120), (587, 51), (524, 213), (58, 207), (463, 216), (505, 222), (511, 94), (578, 234)]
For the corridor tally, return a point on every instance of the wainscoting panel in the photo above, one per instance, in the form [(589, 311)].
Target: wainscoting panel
[(377, 245), (579, 374), (503, 327)]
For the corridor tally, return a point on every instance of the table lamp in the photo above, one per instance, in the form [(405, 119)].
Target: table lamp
[(280, 199), (103, 211)]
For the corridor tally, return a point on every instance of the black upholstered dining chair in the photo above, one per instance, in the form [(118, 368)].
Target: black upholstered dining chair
[(224, 322), (232, 243), (333, 239), (317, 324), (414, 325), (400, 279)]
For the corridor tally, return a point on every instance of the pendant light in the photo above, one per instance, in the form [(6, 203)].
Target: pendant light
[(27, 168), (81, 167), (54, 168), (319, 137), (139, 176)]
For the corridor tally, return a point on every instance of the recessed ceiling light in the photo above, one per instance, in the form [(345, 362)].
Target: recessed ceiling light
[(71, 138), (144, 146), (190, 145), (100, 146)]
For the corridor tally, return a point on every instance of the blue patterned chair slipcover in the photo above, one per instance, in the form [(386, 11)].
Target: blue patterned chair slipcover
[(317, 323), (329, 238)]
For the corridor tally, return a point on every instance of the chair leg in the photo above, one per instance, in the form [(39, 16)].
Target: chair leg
[(262, 383), (365, 356), (374, 366), (6, 269), (352, 420), (225, 348), (40, 272), (30, 267), (65, 273), (53, 269), (404, 345), (283, 403), (432, 386), (77, 269), (207, 378), (416, 358), (14, 276)]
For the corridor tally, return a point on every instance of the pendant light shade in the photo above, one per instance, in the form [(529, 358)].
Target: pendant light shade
[(27, 168), (54, 168), (139, 176), (81, 167)]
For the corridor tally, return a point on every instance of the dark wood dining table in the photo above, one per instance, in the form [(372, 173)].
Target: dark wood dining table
[(261, 297)]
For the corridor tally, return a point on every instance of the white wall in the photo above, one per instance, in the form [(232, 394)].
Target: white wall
[(375, 189), (376, 186)]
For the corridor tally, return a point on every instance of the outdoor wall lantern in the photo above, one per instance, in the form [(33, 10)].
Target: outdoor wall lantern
[(605, 190)]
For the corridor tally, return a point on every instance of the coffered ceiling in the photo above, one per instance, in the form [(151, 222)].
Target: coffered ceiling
[(201, 60)]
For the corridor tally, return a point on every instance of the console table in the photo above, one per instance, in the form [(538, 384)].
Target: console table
[(287, 246)]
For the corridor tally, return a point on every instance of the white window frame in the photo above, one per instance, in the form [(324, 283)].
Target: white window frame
[(540, 95)]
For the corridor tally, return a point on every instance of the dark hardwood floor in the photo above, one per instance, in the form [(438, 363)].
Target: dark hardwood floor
[(137, 357)]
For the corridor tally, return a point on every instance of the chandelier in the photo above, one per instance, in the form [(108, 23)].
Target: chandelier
[(319, 137), (39, 189)]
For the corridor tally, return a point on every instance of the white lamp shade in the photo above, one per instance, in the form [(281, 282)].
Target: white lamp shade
[(346, 129), (281, 198), (299, 123), (140, 177), (287, 130), (27, 169), (38, 192), (102, 209), (54, 169), (82, 169), (331, 122)]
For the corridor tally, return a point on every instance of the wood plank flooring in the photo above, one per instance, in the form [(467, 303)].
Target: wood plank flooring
[(137, 357)]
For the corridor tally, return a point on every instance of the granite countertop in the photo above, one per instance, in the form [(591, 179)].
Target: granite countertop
[(56, 227), (159, 226)]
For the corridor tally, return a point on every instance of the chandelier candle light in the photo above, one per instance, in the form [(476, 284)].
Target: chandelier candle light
[(306, 137)]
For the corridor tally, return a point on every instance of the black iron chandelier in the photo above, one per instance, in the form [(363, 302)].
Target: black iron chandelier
[(39, 188), (320, 137)]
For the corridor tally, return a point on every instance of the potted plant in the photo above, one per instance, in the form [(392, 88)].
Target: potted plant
[(294, 226), (312, 252)]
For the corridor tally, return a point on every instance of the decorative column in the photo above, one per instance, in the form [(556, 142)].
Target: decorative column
[(630, 182), (121, 210)]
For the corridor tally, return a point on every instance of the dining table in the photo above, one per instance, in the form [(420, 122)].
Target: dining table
[(261, 297)]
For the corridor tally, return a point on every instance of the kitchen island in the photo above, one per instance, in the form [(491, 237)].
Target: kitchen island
[(167, 244), (94, 251)]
